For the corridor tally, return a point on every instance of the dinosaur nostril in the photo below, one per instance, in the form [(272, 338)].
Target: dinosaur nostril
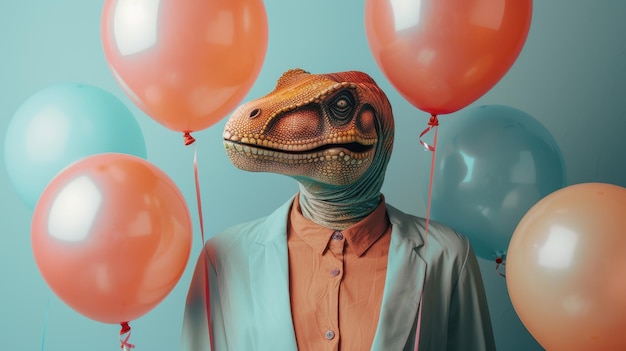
[(255, 113)]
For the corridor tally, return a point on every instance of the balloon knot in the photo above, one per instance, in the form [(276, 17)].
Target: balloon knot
[(500, 263), (188, 138), (125, 328), (434, 121)]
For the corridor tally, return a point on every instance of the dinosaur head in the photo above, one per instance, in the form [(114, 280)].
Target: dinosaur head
[(332, 132), (330, 129)]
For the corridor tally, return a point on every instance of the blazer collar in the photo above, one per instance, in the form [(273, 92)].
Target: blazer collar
[(269, 284)]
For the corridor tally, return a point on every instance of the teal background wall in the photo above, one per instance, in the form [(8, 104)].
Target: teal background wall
[(570, 76)]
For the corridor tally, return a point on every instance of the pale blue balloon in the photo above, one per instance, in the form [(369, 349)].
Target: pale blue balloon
[(493, 163), (62, 124)]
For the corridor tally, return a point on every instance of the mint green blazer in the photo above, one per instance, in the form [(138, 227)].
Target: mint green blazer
[(248, 281)]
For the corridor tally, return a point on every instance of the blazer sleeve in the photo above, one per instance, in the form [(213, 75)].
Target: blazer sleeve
[(196, 321), (469, 324)]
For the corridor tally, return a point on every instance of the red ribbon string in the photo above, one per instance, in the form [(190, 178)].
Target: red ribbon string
[(432, 123), (198, 196), (206, 268), (208, 303), (125, 336), (418, 329)]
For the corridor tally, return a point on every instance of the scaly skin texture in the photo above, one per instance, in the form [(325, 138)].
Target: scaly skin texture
[(332, 132)]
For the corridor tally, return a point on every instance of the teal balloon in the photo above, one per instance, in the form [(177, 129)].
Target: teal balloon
[(493, 163), (62, 124)]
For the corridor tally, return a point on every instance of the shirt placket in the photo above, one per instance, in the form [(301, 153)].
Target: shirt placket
[(335, 270)]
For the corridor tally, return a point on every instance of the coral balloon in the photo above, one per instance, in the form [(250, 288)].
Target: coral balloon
[(61, 124), (186, 64), (566, 268), (493, 164), (111, 235), (442, 55)]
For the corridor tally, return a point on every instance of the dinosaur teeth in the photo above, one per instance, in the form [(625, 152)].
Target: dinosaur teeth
[(330, 155)]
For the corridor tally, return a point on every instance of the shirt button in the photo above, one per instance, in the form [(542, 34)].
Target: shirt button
[(334, 272), (337, 236), (330, 334)]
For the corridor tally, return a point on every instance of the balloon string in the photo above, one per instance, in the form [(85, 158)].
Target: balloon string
[(125, 336), (207, 293), (433, 123), (418, 329), (206, 268), (198, 197), (45, 325)]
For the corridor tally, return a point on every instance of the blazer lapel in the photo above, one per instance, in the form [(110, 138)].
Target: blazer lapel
[(403, 286), (269, 284)]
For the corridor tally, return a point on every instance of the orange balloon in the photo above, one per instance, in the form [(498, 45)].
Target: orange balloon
[(442, 55), (566, 268), (111, 235), (186, 64)]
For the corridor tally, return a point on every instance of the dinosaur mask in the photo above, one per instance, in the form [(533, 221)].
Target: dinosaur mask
[(332, 132), (329, 128)]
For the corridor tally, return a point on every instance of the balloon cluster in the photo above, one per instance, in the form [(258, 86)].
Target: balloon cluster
[(442, 55), (111, 232), (500, 178)]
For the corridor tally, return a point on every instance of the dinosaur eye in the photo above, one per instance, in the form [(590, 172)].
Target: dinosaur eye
[(341, 106)]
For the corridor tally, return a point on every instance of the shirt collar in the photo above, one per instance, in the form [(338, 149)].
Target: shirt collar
[(360, 237)]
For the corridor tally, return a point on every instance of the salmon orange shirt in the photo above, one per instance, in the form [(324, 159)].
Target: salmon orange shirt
[(336, 280)]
